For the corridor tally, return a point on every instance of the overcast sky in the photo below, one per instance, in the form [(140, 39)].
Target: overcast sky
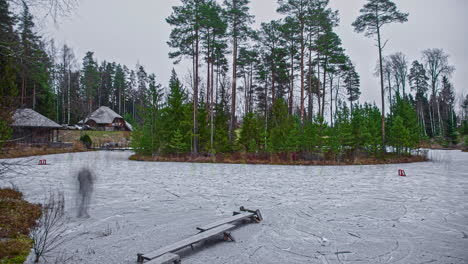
[(135, 31)]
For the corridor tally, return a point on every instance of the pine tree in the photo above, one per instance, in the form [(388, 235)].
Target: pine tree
[(239, 20), (446, 102), (8, 71), (185, 38), (352, 84), (270, 37), (213, 30), (418, 82), (250, 133), (8, 67), (298, 11), (375, 14), (89, 80), (341, 136), (177, 143), (328, 45), (464, 121), (280, 125), (290, 34), (119, 87), (174, 114), (403, 115)]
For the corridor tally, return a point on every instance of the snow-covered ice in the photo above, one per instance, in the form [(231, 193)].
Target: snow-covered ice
[(312, 214)]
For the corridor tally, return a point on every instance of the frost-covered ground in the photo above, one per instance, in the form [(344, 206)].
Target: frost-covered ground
[(329, 214)]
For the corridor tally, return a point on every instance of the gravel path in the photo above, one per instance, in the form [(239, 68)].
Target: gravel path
[(319, 214)]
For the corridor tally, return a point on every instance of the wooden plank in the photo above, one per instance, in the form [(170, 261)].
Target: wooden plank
[(188, 241), (228, 220), (168, 258)]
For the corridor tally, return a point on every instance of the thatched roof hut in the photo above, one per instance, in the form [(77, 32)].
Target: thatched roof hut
[(106, 119), (31, 127)]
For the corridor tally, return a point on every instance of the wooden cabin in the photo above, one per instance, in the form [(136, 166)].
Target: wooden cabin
[(31, 127), (106, 119)]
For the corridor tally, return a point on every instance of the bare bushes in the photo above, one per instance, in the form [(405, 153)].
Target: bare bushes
[(49, 233)]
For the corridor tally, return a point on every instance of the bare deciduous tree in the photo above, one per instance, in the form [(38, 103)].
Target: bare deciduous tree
[(399, 65), (53, 8), (436, 65)]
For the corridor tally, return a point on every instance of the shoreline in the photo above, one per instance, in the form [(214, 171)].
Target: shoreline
[(275, 160), (34, 151)]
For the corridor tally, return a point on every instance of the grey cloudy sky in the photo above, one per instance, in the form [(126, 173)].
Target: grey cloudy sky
[(135, 31)]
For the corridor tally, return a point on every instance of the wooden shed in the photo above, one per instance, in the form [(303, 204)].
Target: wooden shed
[(31, 127), (106, 119)]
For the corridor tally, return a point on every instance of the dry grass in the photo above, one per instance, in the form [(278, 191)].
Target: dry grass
[(98, 137), (26, 151), (15, 250), (277, 159), (17, 218)]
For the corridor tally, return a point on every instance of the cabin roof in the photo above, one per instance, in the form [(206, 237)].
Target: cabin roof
[(103, 115), (26, 117)]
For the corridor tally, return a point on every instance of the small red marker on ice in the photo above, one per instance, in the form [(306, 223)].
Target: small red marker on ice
[(401, 172)]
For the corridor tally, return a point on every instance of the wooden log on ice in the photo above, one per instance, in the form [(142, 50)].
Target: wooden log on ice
[(168, 258), (187, 242), (229, 220)]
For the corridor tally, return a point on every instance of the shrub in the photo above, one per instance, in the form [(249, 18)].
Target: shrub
[(86, 139), (15, 251), (17, 217)]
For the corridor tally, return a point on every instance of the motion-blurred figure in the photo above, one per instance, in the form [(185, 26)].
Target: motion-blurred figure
[(85, 190)]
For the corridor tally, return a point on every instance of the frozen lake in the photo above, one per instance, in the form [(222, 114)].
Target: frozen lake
[(320, 214)]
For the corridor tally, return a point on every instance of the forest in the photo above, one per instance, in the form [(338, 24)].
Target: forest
[(285, 87)]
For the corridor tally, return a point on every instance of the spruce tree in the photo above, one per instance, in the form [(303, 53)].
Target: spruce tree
[(250, 133), (174, 112)]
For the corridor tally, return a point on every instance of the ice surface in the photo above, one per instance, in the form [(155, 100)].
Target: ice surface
[(312, 214)]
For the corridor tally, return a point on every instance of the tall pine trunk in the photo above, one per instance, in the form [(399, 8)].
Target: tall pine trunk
[(23, 89), (212, 106), (34, 97), (389, 89), (68, 97), (331, 99), (234, 88), (318, 85), (311, 98), (291, 88), (273, 88), (324, 85), (195, 97), (302, 71), (381, 88)]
